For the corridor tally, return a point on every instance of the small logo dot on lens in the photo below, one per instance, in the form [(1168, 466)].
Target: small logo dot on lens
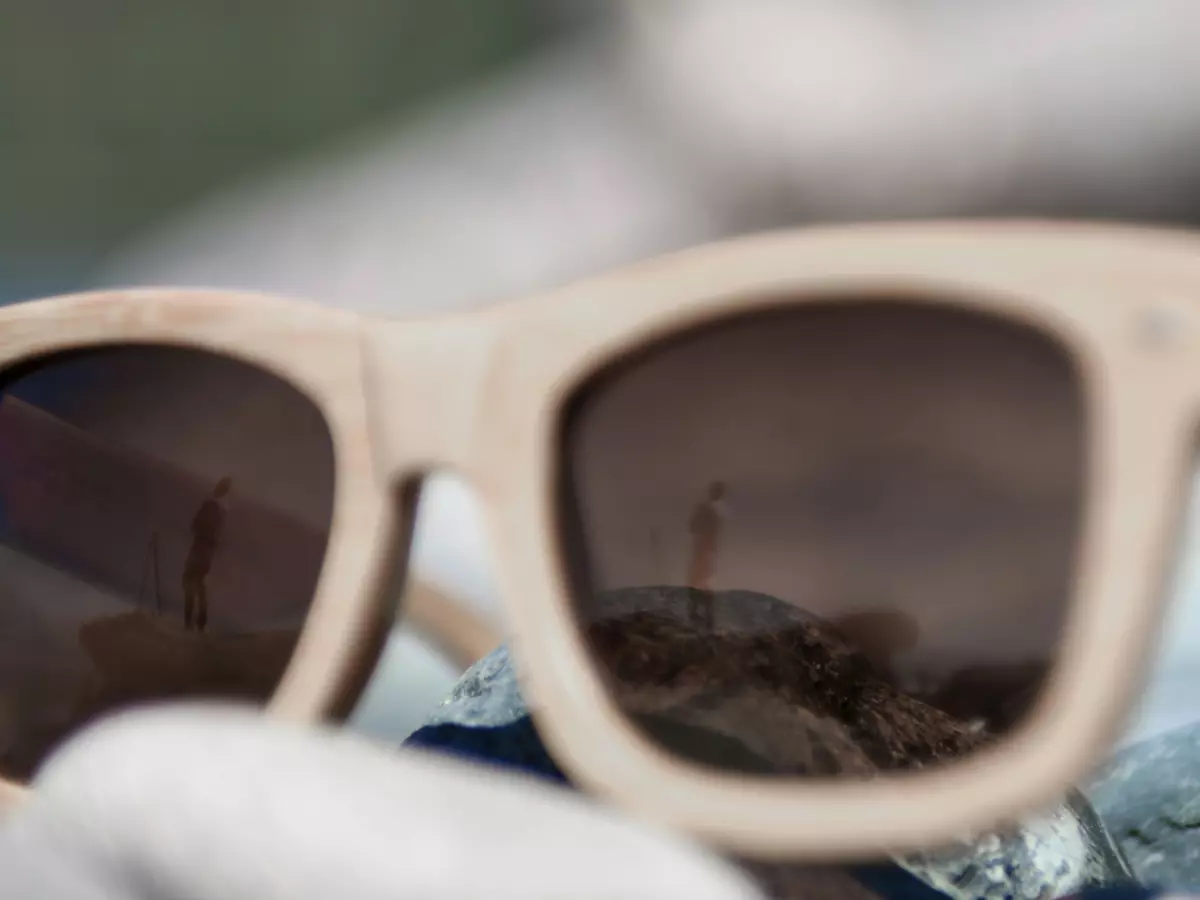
[(1161, 328)]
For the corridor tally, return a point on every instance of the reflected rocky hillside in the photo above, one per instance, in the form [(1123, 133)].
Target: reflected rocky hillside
[(135, 657), (796, 693)]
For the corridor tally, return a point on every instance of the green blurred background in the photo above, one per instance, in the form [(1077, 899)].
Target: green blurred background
[(117, 113)]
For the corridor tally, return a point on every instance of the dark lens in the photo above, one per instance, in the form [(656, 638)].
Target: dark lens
[(163, 520), (833, 539)]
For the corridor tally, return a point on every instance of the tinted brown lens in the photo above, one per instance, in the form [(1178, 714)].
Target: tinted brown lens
[(832, 539), (163, 520)]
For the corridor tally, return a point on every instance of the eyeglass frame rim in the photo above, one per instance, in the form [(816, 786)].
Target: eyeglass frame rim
[(503, 376)]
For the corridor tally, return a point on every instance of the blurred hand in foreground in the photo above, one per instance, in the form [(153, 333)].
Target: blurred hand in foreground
[(218, 804)]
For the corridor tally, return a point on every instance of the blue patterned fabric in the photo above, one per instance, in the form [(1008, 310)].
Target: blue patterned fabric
[(514, 746)]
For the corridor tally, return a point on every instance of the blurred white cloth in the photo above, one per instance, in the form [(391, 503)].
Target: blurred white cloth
[(196, 803)]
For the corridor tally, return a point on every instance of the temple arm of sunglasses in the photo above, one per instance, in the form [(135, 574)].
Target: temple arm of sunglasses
[(448, 622)]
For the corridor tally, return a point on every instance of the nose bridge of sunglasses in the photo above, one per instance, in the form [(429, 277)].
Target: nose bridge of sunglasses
[(424, 383)]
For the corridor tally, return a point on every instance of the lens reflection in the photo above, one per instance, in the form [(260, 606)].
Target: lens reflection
[(830, 539), (163, 520)]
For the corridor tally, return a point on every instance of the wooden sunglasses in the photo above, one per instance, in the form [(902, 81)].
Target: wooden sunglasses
[(908, 490)]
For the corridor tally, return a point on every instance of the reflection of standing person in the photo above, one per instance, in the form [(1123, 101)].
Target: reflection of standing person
[(705, 527), (206, 532), (656, 556)]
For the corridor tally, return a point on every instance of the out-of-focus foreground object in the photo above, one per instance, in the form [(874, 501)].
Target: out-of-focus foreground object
[(218, 804)]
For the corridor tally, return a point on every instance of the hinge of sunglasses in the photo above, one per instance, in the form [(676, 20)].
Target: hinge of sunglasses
[(463, 634)]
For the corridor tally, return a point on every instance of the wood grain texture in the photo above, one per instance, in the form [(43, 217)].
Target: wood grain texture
[(481, 394)]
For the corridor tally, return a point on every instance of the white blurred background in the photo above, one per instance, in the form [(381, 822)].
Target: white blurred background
[(406, 158)]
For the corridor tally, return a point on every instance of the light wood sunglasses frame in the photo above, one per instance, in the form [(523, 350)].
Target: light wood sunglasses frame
[(482, 393)]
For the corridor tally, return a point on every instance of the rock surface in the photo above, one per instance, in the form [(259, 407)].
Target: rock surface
[(745, 681), (132, 658), (138, 655), (774, 677), (1149, 796)]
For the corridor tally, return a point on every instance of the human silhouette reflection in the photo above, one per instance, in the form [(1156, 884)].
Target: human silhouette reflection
[(206, 534), (705, 527)]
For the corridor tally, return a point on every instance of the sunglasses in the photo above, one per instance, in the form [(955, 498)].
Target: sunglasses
[(813, 543)]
